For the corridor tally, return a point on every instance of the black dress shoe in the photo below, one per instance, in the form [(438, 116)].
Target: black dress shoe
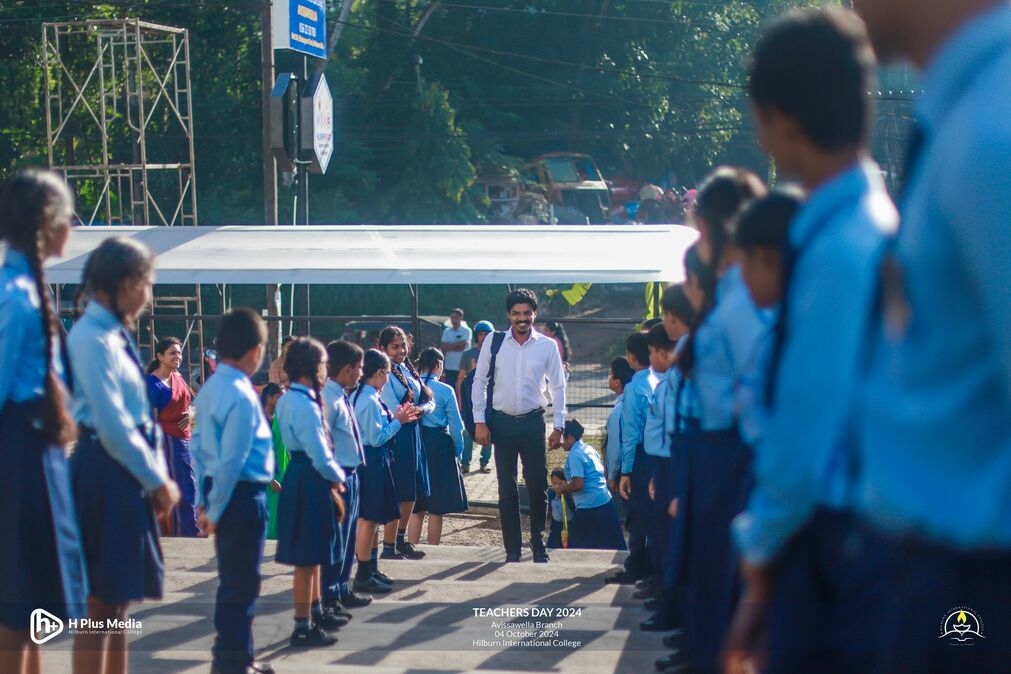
[(355, 600), (383, 578), (390, 554), (672, 640), (261, 667), (645, 593), (657, 624), (643, 583), (372, 586), (620, 578), (409, 551), (512, 557), (652, 604), (540, 553), (249, 669)]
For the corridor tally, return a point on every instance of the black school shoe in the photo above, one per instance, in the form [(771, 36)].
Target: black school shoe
[(311, 637), (337, 608), (252, 668), (382, 577), (260, 667), (621, 578), (408, 550), (672, 663), (371, 586), (658, 623), (355, 600), (673, 640), (390, 554), (330, 620)]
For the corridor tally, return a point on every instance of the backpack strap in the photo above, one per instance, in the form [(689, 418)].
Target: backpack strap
[(496, 344)]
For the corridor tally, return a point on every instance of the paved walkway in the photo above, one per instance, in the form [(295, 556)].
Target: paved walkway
[(440, 618)]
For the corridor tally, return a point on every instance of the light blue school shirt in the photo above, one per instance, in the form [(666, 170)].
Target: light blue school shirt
[(751, 399), (394, 391), (655, 437), (677, 408), (347, 444), (23, 364), (805, 460), (614, 432), (584, 461), (110, 394), (231, 438), (446, 413), (301, 422), (724, 344), (376, 426), (935, 418), (638, 396)]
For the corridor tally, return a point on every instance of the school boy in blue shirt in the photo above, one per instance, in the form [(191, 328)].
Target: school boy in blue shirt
[(234, 459), (344, 368), (797, 519), (633, 485)]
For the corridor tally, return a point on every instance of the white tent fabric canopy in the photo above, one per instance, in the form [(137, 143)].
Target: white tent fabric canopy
[(398, 255)]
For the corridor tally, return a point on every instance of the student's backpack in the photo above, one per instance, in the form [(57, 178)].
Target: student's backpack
[(467, 385)]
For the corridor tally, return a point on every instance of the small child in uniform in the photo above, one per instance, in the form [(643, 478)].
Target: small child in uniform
[(234, 462), (560, 519), (596, 523)]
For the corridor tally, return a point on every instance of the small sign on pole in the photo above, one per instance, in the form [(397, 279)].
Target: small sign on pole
[(317, 137), (299, 25)]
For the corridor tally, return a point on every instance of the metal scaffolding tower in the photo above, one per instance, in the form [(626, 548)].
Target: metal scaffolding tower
[(119, 119)]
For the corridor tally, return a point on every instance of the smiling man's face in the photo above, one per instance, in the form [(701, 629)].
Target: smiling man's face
[(522, 317)]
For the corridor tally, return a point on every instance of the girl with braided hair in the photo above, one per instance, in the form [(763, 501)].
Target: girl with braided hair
[(120, 479), (44, 565), (311, 507), (410, 466)]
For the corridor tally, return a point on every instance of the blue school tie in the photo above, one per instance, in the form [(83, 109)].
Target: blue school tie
[(354, 428)]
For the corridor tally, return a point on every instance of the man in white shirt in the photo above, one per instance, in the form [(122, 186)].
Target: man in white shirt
[(509, 407), (455, 340)]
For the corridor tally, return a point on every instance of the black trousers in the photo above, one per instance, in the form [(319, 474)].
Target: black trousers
[(238, 542), (522, 438)]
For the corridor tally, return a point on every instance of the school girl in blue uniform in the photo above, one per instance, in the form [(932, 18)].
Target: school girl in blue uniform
[(561, 516), (378, 426), (233, 456), (344, 369), (410, 465), (718, 461), (119, 474), (311, 507), (43, 565), (596, 524), (442, 438)]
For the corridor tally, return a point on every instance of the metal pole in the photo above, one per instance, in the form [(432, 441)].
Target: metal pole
[(305, 173), (267, 75)]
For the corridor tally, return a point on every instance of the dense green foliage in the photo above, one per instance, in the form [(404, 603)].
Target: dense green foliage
[(650, 88)]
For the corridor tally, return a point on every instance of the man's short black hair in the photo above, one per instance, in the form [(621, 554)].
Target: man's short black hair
[(658, 339), (638, 346), (648, 324), (239, 331), (765, 223), (521, 296), (817, 67)]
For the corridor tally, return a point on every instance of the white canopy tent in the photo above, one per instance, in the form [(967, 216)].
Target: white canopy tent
[(415, 255)]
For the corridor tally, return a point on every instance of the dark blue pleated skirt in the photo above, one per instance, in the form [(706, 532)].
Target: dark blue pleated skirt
[(376, 495), (307, 526), (448, 493), (43, 563), (118, 526), (554, 534), (596, 529), (410, 466)]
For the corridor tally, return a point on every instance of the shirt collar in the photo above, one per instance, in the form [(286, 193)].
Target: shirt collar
[(102, 316), (303, 387), (641, 374), (620, 399), (334, 386), (845, 188), (230, 371), (955, 66), (16, 260), (534, 335)]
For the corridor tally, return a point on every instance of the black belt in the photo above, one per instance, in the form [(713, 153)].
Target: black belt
[(519, 418)]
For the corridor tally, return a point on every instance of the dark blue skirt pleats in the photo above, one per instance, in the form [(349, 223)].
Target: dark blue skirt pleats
[(596, 529), (410, 466), (307, 524), (44, 567), (118, 526), (376, 494), (448, 493)]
